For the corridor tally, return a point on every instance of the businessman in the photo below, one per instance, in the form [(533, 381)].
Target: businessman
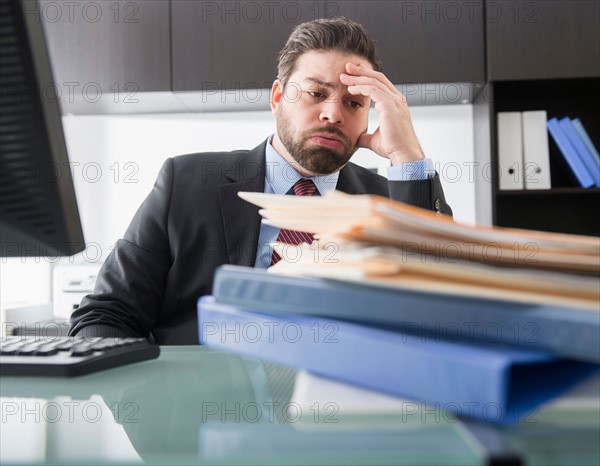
[(193, 220)]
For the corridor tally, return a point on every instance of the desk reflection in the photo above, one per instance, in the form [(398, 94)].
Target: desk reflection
[(195, 405)]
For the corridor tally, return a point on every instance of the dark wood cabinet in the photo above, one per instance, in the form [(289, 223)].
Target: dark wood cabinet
[(542, 39), (234, 45), (432, 41), (115, 46), (193, 45)]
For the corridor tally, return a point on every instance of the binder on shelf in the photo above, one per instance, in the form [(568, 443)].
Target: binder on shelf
[(510, 150), (563, 331), (491, 383), (587, 141), (581, 173), (536, 155), (584, 154)]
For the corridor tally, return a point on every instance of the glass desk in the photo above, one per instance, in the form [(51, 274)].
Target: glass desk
[(194, 405)]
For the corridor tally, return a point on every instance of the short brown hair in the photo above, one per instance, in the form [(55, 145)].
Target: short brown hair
[(339, 34)]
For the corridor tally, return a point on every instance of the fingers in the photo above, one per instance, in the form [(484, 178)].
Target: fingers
[(363, 85), (357, 70), (371, 83), (375, 93), (382, 99)]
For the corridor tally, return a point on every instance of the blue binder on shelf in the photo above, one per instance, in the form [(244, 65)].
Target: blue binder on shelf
[(493, 383), (586, 140), (572, 333), (584, 154), (569, 153)]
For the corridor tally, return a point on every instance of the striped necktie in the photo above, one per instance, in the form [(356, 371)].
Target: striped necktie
[(302, 187)]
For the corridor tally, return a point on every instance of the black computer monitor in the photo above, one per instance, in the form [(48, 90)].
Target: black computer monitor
[(38, 208)]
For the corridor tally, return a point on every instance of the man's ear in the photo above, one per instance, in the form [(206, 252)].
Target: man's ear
[(276, 93)]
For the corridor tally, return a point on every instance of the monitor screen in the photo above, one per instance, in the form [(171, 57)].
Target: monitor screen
[(38, 208)]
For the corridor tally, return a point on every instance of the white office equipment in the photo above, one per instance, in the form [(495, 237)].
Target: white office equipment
[(69, 285)]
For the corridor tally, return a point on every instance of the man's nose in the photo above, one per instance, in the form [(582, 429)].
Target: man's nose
[(332, 111)]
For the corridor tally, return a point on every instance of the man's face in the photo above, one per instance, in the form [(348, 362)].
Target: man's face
[(318, 120)]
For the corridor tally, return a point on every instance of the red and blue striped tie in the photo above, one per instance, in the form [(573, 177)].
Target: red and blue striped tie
[(303, 187)]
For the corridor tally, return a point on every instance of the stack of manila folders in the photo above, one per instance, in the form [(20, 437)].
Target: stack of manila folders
[(487, 322)]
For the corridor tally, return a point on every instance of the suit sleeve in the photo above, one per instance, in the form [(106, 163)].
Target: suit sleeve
[(129, 290), (427, 194)]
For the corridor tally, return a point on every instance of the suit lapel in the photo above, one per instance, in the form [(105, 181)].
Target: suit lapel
[(349, 182), (241, 220)]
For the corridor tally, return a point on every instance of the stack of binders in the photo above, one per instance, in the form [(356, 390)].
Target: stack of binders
[(487, 341)]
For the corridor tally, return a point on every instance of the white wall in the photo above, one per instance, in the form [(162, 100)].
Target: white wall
[(115, 160)]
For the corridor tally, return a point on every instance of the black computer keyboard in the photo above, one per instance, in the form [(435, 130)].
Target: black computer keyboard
[(70, 356)]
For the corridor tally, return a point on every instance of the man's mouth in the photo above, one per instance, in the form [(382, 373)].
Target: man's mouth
[(327, 140)]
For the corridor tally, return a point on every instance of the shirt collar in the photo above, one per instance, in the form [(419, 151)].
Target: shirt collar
[(281, 176)]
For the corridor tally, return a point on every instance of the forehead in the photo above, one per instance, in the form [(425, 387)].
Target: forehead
[(326, 65)]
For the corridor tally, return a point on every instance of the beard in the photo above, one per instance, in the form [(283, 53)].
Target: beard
[(318, 160)]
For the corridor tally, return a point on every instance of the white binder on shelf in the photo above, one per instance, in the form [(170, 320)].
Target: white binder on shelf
[(510, 150), (536, 155)]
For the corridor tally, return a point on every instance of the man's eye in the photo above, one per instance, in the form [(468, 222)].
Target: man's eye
[(355, 104), (316, 94)]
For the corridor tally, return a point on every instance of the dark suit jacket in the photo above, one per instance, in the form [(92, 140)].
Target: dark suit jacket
[(192, 222)]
